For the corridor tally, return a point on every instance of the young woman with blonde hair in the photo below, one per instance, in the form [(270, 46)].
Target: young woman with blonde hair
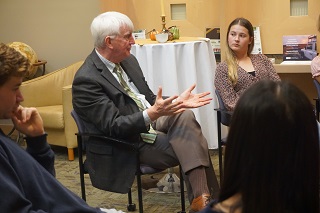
[(241, 69)]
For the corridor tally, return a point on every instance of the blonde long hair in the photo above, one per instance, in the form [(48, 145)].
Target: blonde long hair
[(230, 56)]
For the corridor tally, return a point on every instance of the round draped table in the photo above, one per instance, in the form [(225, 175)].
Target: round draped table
[(176, 65)]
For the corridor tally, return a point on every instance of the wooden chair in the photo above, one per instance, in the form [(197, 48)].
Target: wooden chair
[(141, 168)]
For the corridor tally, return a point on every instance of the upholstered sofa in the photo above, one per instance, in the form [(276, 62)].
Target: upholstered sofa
[(51, 95)]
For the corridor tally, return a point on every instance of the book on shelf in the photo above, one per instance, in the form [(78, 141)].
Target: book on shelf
[(214, 35), (302, 48)]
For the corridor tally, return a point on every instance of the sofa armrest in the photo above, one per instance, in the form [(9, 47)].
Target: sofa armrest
[(36, 90), (70, 125)]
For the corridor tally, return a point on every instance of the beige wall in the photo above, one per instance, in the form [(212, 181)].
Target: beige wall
[(57, 30), (273, 17), (145, 14)]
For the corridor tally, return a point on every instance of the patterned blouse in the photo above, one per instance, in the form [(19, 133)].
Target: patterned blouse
[(230, 94)]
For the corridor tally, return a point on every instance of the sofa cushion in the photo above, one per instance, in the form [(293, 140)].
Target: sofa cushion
[(52, 116)]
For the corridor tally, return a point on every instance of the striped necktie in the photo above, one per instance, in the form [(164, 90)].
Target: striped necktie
[(125, 86), (147, 137)]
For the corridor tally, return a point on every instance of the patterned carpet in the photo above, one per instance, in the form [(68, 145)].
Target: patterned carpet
[(68, 174)]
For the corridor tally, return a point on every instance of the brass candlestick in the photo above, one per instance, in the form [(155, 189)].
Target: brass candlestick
[(163, 19)]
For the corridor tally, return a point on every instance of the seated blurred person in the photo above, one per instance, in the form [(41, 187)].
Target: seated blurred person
[(27, 176), (110, 94), (315, 63), (272, 153), (315, 68)]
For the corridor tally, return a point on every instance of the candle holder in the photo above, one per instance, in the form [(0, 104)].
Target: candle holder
[(163, 19)]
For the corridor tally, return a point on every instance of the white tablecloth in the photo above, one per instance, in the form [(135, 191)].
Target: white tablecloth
[(176, 66)]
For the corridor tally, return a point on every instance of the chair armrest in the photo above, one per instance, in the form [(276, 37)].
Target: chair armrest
[(225, 116), (224, 111), (109, 139)]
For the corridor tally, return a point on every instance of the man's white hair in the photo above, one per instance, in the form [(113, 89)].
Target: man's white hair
[(108, 24)]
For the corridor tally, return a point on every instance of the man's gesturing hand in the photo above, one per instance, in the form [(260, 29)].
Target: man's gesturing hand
[(166, 107)]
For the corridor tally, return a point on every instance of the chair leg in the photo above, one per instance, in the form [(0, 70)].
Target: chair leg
[(81, 166), (139, 186), (131, 207), (183, 204), (219, 145), (70, 154)]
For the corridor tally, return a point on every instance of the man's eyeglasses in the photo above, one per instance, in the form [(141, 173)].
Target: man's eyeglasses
[(126, 37)]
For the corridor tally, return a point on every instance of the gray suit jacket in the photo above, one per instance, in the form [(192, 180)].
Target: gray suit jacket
[(106, 109)]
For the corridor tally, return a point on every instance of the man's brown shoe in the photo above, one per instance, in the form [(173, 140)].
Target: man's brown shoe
[(200, 202)]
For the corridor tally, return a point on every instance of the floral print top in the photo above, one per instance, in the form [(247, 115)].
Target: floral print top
[(229, 93)]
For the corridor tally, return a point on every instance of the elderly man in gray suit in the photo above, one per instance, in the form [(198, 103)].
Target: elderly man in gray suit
[(111, 96)]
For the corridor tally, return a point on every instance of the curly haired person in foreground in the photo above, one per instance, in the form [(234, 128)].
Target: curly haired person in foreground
[(28, 182)]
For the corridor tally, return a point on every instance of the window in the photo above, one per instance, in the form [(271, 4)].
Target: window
[(178, 11), (298, 7)]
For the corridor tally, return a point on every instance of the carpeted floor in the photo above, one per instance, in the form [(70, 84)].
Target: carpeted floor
[(68, 174)]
